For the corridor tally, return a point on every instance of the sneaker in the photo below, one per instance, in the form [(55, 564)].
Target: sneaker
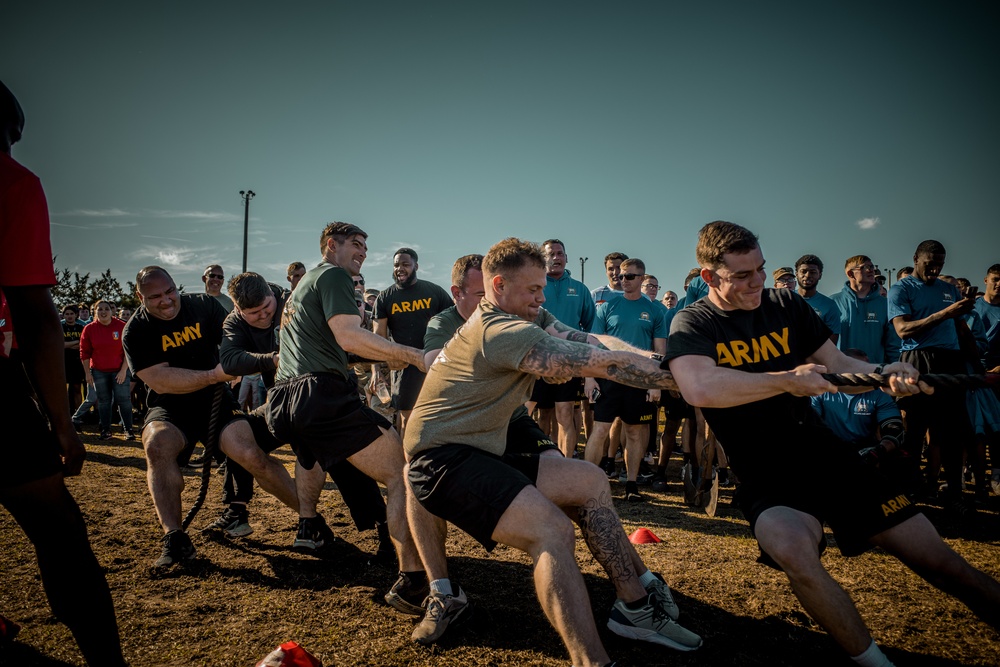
[(313, 533), (234, 522), (78, 426), (632, 493), (130, 435), (105, 435), (407, 597), (725, 478), (608, 466), (176, 547), (664, 597), (958, 510), (659, 483), (442, 610), (652, 624)]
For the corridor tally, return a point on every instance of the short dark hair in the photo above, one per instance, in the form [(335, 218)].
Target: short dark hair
[(719, 238), (809, 259), (905, 271), (551, 241), (636, 262), (510, 255), (461, 269), (71, 307), (210, 267), (691, 276), (294, 266), (613, 255), (963, 283), (248, 290), (339, 232), (929, 247), (406, 251), (993, 270)]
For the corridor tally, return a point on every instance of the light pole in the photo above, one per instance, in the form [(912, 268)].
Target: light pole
[(583, 260), (247, 195)]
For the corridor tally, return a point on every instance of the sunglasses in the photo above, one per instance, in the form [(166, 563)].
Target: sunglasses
[(631, 276), (217, 276)]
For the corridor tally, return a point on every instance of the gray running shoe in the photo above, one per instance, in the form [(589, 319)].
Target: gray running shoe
[(651, 623), (442, 610), (176, 547), (234, 522), (407, 597), (664, 597)]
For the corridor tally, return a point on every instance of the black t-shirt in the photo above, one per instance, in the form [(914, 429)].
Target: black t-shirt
[(245, 349), (190, 340), (777, 336), (74, 368), (409, 309)]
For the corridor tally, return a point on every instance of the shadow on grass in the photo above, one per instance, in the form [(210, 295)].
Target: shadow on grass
[(23, 655)]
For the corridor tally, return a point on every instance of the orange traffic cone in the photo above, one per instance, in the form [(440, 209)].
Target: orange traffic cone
[(289, 654), (643, 536)]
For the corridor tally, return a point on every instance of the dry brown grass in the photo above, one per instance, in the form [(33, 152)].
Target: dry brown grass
[(242, 598)]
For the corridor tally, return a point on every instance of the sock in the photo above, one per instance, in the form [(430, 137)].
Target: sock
[(872, 657), (442, 586), (647, 578), (637, 604)]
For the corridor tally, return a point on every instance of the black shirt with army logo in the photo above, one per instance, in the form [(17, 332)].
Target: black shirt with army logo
[(409, 309), (190, 340), (777, 336), (74, 368)]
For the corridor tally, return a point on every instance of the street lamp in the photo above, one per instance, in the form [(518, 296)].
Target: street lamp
[(583, 260), (247, 195)]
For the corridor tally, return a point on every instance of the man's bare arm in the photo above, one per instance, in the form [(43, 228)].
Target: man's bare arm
[(382, 328), (350, 336), (555, 357), (164, 379), (906, 327)]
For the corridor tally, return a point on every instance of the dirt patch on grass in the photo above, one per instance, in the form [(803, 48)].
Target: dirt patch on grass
[(241, 598)]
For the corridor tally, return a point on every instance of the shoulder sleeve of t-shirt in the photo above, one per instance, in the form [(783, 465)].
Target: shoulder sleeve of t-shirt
[(143, 347), (691, 333), (600, 319), (810, 330), (546, 319), (507, 341), (439, 331), (660, 329), (217, 315), (381, 309), (899, 301), (25, 248), (337, 292)]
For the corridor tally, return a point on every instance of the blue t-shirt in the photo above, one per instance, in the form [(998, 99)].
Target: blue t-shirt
[(855, 418), (919, 300), (636, 322), (827, 310), (990, 315), (697, 289), (569, 301), (604, 293)]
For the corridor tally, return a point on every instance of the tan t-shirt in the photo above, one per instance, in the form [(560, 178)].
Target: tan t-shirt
[(474, 384)]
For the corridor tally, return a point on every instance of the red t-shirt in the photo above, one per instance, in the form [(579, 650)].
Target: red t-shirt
[(102, 345), (25, 249)]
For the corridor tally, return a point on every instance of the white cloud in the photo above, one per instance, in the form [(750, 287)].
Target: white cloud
[(99, 213), (865, 224), (207, 216)]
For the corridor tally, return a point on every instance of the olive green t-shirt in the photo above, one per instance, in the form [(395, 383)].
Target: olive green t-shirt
[(474, 385), (307, 344)]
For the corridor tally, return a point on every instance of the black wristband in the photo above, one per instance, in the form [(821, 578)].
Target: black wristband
[(879, 369)]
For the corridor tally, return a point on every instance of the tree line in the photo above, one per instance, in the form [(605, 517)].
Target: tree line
[(71, 287)]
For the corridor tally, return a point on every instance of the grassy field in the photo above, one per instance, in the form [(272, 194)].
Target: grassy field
[(240, 599)]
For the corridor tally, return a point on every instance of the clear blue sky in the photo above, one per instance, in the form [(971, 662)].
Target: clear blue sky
[(447, 126)]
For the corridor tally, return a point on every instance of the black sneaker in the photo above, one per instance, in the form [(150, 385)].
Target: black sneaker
[(406, 596), (608, 466), (78, 426), (105, 435), (130, 435), (234, 522), (313, 533), (176, 547), (632, 493), (659, 483)]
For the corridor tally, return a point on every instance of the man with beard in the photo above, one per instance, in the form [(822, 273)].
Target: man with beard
[(808, 273), (401, 315), (172, 345)]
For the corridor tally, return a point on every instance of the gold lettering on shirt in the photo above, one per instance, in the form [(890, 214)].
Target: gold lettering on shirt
[(179, 338), (410, 306), (737, 352)]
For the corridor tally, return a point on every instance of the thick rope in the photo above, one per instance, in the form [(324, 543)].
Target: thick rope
[(938, 381), (211, 446)]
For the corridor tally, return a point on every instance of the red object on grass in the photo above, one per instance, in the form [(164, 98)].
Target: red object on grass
[(643, 536), (290, 654)]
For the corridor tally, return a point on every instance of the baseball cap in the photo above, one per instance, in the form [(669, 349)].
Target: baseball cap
[(783, 271)]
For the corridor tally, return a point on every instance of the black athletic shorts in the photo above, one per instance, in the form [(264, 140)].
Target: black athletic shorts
[(547, 395), (619, 400), (323, 418), (526, 438), (676, 407), (193, 418), (854, 499), (406, 386), (29, 449), (469, 487)]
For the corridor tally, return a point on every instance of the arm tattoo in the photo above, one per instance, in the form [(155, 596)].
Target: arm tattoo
[(577, 336), (554, 357), (602, 531), (634, 376)]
